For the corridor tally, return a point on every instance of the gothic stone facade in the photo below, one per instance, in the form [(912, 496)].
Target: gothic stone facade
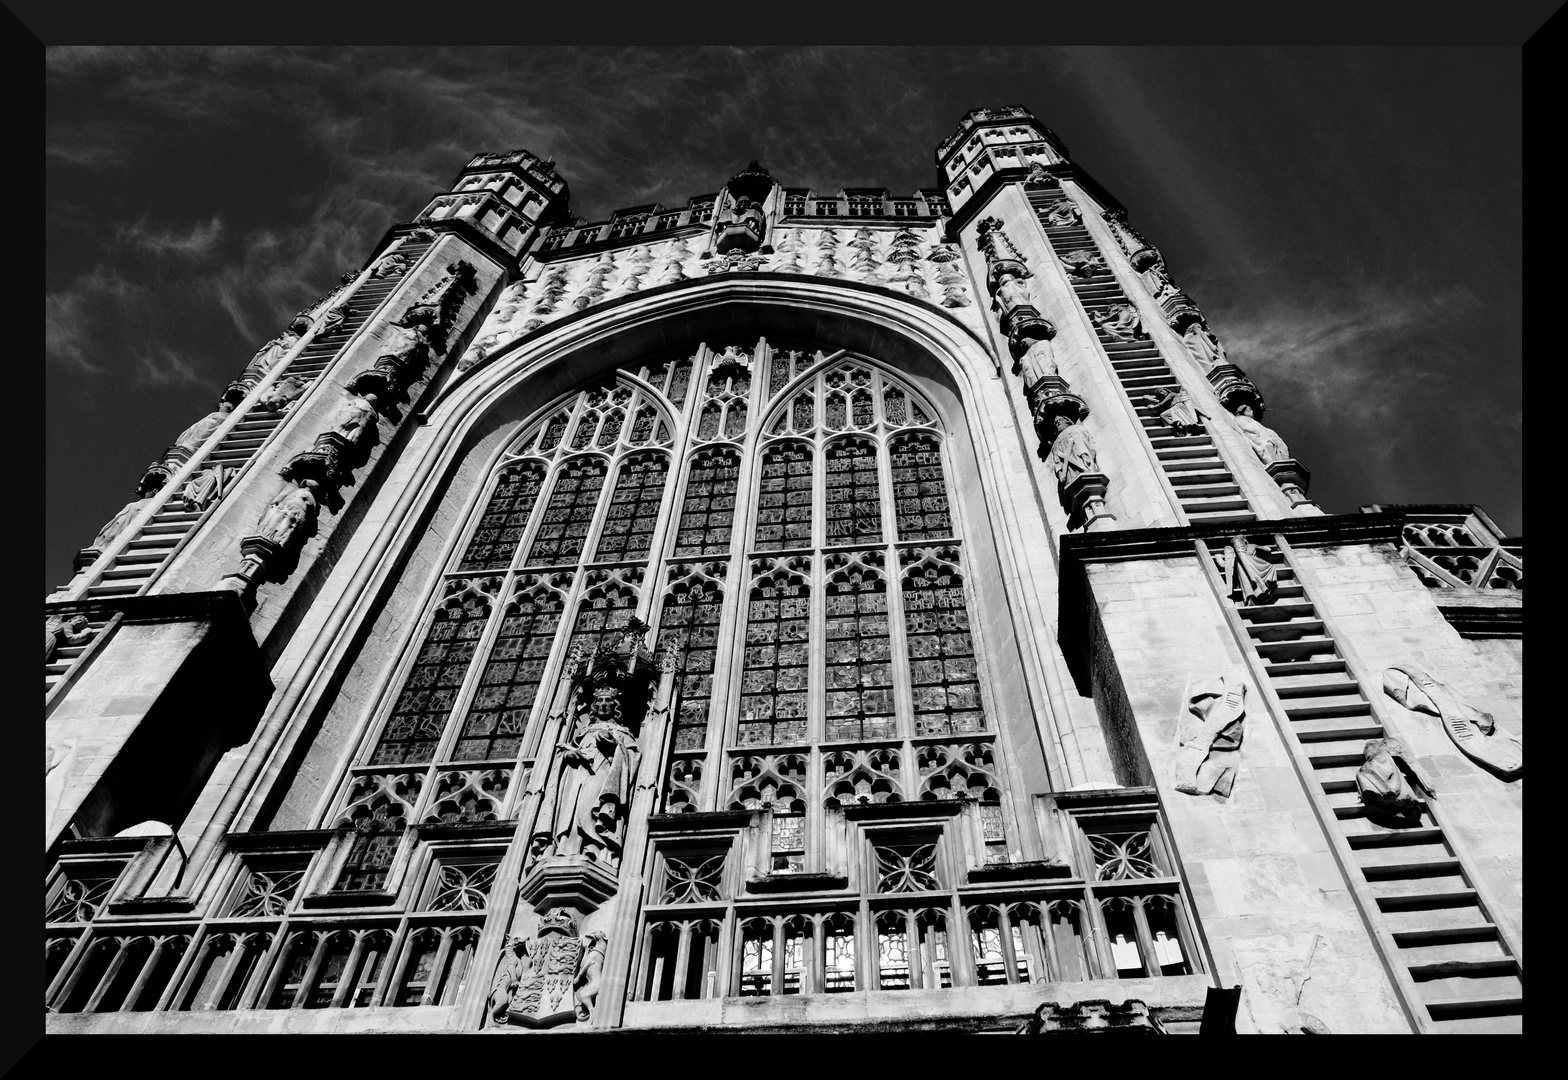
[(787, 611)]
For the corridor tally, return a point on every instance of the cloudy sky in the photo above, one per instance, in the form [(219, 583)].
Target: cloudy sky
[(1349, 219)]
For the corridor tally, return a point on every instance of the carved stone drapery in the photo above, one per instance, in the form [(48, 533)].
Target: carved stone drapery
[(1475, 732), (1011, 299), (1388, 780), (1249, 575), (1209, 733)]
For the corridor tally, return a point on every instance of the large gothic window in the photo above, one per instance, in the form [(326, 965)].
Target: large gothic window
[(780, 518)]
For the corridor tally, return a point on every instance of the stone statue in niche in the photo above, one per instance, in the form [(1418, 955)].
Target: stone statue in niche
[(1011, 292), (543, 982), (1083, 263), (1265, 441), (332, 321), (355, 419), (1157, 281), (1251, 577), (1072, 451), (1119, 323), (598, 769), (279, 347), (283, 393), (290, 514), (1061, 215), (1208, 735), (64, 630), (1388, 780), (1475, 732), (1204, 346), (1177, 409), (1038, 362), (192, 437)]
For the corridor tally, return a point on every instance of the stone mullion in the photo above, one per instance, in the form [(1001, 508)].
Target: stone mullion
[(154, 954), (68, 967), (397, 958), (777, 988), (917, 954), (312, 970), (868, 957), (682, 961), (1100, 935), (903, 676), (110, 973), (1004, 928), (814, 980), (960, 956), (1151, 962), (350, 977), (728, 654), (186, 971), (270, 971), (75, 968), (816, 707), (552, 459), (469, 687), (437, 979)]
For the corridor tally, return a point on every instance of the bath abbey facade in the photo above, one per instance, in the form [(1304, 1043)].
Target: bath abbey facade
[(793, 610)]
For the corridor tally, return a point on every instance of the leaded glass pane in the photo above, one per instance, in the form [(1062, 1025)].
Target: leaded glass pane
[(689, 628), (784, 501), (854, 507), (941, 651), (777, 658), (501, 528), (499, 714), (634, 509), (419, 716), (859, 691), (569, 512), (708, 512), (605, 610), (919, 488)]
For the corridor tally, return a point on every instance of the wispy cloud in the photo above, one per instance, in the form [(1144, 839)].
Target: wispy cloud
[(70, 315), (199, 242)]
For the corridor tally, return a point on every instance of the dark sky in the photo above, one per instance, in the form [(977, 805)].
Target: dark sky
[(1349, 219)]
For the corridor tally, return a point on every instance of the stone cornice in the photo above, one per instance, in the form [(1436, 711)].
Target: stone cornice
[(220, 606), (482, 241)]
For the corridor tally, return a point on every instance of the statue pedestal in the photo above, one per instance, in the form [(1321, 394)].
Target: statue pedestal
[(1292, 477), (1085, 499), (573, 881), (1234, 389)]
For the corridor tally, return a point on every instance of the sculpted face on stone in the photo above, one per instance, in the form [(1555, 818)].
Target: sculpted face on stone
[(593, 793), (1389, 781)]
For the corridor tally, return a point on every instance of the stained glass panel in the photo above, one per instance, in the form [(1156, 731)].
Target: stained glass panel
[(634, 509), (505, 518), (859, 692), (429, 692), (919, 488), (499, 714), (784, 501), (569, 512), (941, 651), (777, 658), (854, 507), (690, 627), (708, 512)]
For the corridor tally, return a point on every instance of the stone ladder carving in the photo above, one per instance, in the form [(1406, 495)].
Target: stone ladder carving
[(1192, 464), (139, 562), (1449, 955)]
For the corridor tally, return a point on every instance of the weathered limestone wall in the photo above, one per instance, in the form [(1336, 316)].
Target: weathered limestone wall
[(1386, 616), (1273, 904)]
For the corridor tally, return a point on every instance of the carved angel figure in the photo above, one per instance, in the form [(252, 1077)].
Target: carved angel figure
[(192, 437), (1177, 409), (1083, 263), (1388, 780), (1011, 292), (1060, 215), (115, 525), (1475, 732), (283, 393), (291, 513), (1072, 451), (1265, 441), (201, 489), (392, 264), (1204, 346), (1157, 281), (273, 351), (1209, 733), (64, 629), (595, 788), (1119, 323), (1250, 576)]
